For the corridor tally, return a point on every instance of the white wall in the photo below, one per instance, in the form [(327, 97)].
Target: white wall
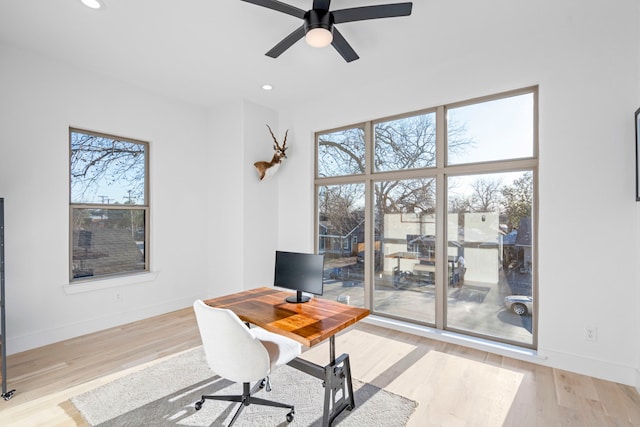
[(243, 211), (584, 55), (40, 100), (260, 197), (225, 196), (209, 210), (213, 223)]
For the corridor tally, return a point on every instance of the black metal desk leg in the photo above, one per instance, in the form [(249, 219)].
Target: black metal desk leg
[(332, 349), (336, 377), (337, 383), (338, 389)]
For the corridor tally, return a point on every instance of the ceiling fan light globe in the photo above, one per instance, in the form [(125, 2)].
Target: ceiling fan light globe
[(319, 37)]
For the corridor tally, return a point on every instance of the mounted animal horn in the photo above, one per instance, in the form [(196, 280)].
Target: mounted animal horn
[(266, 170)]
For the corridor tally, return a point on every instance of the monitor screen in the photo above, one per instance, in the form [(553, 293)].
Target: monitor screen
[(300, 272)]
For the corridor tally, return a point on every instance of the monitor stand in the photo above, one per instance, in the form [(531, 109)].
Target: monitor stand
[(298, 298)]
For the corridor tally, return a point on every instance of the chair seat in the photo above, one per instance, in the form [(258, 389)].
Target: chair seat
[(280, 348)]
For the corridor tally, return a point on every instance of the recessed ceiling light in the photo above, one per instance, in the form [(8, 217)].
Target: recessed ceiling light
[(93, 4), (267, 87)]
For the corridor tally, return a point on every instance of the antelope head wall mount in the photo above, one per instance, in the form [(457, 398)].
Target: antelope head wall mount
[(266, 170)]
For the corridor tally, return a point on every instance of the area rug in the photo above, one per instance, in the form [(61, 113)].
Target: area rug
[(164, 395)]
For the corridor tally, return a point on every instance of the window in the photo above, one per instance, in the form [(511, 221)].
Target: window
[(109, 208), (405, 219), (340, 233), (341, 152), (492, 253), (429, 217), (405, 143), (476, 133)]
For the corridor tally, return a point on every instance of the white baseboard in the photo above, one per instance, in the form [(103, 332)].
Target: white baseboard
[(17, 344), (601, 369)]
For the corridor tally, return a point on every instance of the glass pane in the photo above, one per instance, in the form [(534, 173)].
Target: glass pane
[(341, 153), (105, 170), (495, 130), (341, 240), (107, 241), (490, 222), (404, 215), (407, 143)]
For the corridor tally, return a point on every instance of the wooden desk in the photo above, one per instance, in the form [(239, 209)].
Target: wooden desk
[(308, 323)]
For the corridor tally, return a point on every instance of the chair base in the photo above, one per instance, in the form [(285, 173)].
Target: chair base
[(246, 399)]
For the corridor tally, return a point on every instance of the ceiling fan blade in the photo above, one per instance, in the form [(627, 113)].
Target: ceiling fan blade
[(286, 43), (371, 12), (343, 47), (279, 6), (321, 4)]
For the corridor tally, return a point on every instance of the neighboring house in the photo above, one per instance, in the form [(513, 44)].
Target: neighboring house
[(343, 245), (104, 251), (523, 240)]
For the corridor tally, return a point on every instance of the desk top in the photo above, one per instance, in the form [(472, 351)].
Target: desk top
[(308, 323)]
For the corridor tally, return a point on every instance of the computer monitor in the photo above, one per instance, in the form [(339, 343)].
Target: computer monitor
[(300, 272)]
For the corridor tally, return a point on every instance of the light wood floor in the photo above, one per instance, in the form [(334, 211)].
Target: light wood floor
[(453, 385)]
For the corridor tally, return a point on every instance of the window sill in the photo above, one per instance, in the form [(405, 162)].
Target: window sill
[(99, 284), (503, 349)]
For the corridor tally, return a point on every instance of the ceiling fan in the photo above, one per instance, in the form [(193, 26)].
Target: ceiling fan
[(318, 28)]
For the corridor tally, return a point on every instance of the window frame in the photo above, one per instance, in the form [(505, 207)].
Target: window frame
[(440, 172), (143, 207)]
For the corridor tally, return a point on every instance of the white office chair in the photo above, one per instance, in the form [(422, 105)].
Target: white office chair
[(239, 354)]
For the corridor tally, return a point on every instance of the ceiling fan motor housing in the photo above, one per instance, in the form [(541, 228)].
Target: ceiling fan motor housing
[(318, 27), (318, 18)]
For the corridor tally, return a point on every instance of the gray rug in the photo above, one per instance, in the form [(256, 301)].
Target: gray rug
[(164, 395)]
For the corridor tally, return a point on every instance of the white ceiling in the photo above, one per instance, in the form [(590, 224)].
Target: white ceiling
[(206, 51)]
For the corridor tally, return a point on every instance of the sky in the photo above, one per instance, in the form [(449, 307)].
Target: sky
[(501, 129)]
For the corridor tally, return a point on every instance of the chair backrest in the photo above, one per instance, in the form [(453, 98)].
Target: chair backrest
[(231, 349)]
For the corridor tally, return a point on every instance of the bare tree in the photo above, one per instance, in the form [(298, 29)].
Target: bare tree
[(518, 200), (98, 161), (341, 152), (415, 195), (407, 143), (341, 207), (399, 144), (460, 204), (486, 195)]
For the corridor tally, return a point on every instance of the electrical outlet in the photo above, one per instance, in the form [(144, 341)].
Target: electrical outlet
[(590, 333)]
